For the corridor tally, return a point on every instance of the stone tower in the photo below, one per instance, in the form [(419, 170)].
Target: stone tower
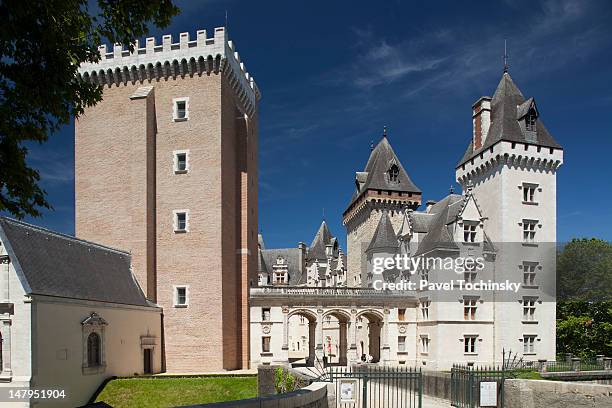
[(383, 187), (166, 167), (511, 166)]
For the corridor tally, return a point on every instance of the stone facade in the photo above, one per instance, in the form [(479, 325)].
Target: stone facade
[(130, 192), (505, 217)]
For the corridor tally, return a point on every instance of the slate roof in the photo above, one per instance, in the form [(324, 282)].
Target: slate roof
[(504, 121), (438, 225), (384, 236), (374, 176), (268, 258), (53, 264), (320, 242)]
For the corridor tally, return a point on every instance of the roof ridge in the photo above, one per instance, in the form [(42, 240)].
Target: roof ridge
[(62, 235)]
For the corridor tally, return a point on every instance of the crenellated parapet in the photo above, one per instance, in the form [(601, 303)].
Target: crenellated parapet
[(187, 57), (511, 154)]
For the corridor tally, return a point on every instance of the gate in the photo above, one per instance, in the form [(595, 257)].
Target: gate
[(473, 387), (376, 387)]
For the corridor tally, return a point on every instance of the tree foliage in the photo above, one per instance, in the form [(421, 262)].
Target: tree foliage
[(42, 44), (584, 270), (584, 328)]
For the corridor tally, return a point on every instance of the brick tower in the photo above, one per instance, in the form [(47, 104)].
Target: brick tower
[(166, 167)]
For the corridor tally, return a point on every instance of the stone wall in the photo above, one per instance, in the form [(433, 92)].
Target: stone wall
[(552, 394)]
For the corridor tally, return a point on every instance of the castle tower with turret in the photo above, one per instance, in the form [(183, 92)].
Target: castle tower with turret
[(382, 190), (166, 167), (510, 166)]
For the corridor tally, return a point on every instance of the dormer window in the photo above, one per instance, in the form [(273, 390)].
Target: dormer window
[(394, 173), (469, 232), (530, 121)]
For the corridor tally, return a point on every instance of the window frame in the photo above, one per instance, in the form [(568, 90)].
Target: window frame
[(176, 297), (529, 230), (176, 161), (470, 231), (401, 344), (529, 342), (175, 221), (529, 193), (529, 309), (175, 110), (529, 273), (470, 344), (266, 343), (470, 308)]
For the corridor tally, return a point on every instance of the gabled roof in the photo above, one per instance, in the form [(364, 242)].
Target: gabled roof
[(268, 259), (320, 242), (439, 222), (53, 264), (375, 177), (505, 124), (384, 236)]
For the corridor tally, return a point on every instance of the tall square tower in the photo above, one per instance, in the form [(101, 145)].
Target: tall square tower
[(166, 167)]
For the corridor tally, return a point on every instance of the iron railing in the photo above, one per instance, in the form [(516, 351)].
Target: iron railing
[(465, 384), (377, 386)]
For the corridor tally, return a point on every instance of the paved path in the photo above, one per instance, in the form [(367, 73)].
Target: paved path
[(431, 402)]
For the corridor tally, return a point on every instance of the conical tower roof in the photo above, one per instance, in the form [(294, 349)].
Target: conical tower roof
[(320, 241), (384, 236)]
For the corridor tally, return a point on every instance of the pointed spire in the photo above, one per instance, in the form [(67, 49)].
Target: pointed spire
[(385, 131), (505, 58)]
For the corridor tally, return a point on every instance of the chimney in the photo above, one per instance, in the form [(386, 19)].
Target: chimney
[(301, 257), (429, 204), (481, 119)]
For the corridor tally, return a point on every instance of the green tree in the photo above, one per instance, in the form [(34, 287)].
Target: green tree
[(584, 270), (584, 328), (42, 44)]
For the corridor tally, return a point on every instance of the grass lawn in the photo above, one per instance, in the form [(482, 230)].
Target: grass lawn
[(170, 392)]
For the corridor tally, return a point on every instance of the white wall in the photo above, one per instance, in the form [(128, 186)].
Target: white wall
[(59, 348)]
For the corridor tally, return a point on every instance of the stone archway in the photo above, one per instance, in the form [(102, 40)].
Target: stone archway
[(337, 322), (302, 326), (369, 332)]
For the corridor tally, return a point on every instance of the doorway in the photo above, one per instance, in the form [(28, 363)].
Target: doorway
[(148, 361)]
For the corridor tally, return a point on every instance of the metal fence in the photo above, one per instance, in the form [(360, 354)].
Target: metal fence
[(467, 388), (365, 386)]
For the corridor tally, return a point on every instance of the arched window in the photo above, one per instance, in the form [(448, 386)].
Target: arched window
[(393, 173), (94, 357), (530, 121)]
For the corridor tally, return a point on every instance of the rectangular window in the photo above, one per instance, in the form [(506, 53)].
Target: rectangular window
[(469, 344), (529, 344), (265, 344), (180, 221), (425, 309), (469, 276), (469, 308), (469, 232), (401, 343), (265, 314), (529, 309), (529, 191), (529, 273), (180, 162), (401, 315), (180, 110), (180, 296), (529, 230), (424, 345)]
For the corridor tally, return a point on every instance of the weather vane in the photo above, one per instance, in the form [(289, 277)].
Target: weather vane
[(385, 131)]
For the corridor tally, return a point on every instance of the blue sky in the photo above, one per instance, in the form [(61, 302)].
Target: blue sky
[(334, 73)]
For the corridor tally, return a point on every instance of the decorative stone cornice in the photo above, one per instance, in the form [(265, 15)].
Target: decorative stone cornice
[(170, 60)]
